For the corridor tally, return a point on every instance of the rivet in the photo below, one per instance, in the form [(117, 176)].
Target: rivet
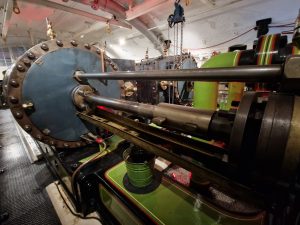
[(26, 62), (20, 68), (13, 99), (30, 55), (27, 128), (18, 114), (44, 47), (14, 83), (66, 145), (39, 137), (74, 43), (87, 46), (98, 50), (59, 43)]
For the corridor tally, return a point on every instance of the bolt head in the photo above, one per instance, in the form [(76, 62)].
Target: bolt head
[(39, 137), (13, 99), (30, 55), (20, 68), (46, 131), (18, 114), (14, 83), (44, 47), (27, 128), (27, 62), (74, 43), (59, 43), (66, 145)]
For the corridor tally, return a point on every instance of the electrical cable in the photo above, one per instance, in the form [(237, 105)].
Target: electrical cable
[(224, 42), (73, 213), (74, 188), (238, 36), (282, 25)]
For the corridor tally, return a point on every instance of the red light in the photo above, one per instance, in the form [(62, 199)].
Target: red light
[(99, 140), (102, 107)]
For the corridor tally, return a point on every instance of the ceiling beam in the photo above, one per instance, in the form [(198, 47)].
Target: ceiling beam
[(58, 6), (8, 9), (117, 10), (144, 8)]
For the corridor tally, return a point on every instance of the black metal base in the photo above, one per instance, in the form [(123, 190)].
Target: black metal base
[(144, 190)]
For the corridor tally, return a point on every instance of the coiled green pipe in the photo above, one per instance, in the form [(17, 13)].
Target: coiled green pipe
[(140, 166)]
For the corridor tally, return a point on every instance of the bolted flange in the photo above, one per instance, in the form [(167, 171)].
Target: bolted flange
[(22, 109)]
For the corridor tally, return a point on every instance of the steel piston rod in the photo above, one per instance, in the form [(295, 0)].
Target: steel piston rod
[(187, 119), (269, 73)]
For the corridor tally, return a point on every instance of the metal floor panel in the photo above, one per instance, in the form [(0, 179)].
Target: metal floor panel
[(22, 185)]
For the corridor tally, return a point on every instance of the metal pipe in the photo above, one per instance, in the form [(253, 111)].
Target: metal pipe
[(269, 73), (179, 117)]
